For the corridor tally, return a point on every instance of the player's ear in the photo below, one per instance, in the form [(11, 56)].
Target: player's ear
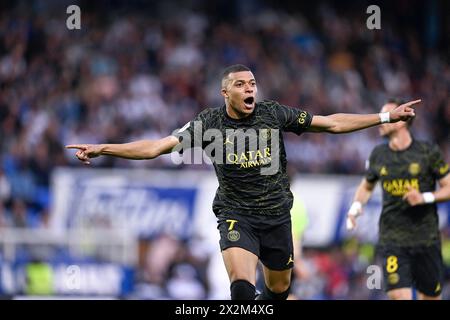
[(224, 93)]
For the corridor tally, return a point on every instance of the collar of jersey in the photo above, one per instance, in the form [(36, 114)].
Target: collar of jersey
[(246, 119)]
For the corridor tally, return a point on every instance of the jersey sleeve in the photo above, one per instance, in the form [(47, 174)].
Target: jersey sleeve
[(439, 167), (371, 171), (191, 134), (292, 119)]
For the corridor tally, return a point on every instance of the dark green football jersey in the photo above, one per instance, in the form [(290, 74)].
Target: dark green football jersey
[(248, 155), (419, 166)]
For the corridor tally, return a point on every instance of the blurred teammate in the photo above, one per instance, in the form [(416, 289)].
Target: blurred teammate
[(409, 239), (252, 207)]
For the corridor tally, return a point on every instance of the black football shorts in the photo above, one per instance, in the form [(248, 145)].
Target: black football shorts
[(268, 237), (420, 267)]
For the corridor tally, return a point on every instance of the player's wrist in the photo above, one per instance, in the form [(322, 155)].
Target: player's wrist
[(101, 148), (385, 117), (355, 208), (428, 197)]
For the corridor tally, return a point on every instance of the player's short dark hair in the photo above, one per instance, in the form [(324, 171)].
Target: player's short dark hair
[(232, 69), (397, 102)]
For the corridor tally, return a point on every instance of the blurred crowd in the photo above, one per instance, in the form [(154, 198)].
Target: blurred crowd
[(140, 70)]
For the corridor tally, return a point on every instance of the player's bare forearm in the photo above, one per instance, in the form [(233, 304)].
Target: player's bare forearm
[(343, 122), (137, 150), (443, 193), (364, 191), (347, 122)]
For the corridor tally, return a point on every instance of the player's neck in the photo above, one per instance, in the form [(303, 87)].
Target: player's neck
[(233, 114), (401, 140)]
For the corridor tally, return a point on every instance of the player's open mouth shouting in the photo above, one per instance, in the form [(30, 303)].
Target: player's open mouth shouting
[(249, 103)]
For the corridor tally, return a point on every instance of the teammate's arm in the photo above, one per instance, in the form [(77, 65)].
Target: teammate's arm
[(414, 197), (443, 194), (344, 122), (137, 150), (362, 195)]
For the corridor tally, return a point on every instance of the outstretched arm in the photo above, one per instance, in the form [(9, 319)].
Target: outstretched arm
[(137, 150), (362, 195), (344, 122)]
